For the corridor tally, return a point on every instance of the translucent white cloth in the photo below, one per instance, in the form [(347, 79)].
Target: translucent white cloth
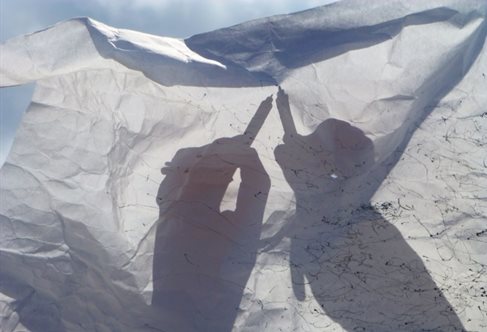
[(319, 171)]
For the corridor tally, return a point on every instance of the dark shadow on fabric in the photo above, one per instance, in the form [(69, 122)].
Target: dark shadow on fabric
[(203, 256), (168, 71), (34, 311), (295, 47), (251, 59), (360, 269)]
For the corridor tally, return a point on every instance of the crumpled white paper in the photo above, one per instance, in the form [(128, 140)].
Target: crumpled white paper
[(319, 171)]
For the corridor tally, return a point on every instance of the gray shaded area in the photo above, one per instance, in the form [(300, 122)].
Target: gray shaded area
[(13, 102)]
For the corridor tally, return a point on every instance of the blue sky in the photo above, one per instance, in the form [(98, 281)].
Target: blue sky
[(175, 18)]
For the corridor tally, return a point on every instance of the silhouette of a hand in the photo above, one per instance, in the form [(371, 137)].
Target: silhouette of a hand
[(203, 256), (321, 163), (359, 268)]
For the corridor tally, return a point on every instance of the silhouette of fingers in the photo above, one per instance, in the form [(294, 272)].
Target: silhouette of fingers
[(258, 119)]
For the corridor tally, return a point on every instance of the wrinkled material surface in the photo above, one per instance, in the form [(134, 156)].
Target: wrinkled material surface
[(318, 171)]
